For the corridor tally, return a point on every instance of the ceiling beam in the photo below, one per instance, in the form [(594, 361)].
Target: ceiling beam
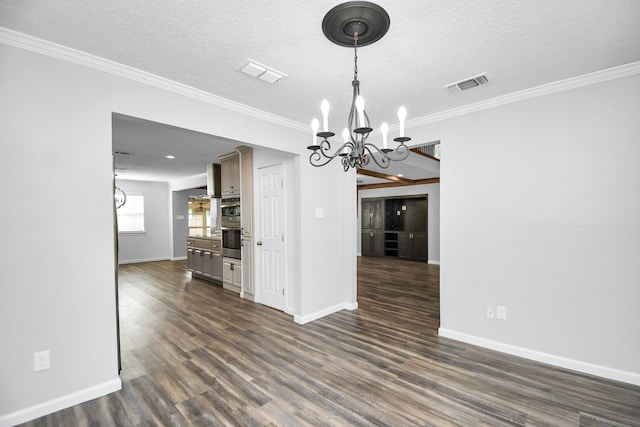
[(399, 184), (385, 176), (415, 150)]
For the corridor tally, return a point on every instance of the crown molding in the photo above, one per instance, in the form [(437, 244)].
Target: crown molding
[(534, 92), (34, 44)]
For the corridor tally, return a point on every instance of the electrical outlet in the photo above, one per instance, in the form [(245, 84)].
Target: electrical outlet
[(491, 312), (41, 361), (501, 312)]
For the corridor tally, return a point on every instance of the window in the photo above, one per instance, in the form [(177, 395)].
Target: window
[(199, 216), (131, 215)]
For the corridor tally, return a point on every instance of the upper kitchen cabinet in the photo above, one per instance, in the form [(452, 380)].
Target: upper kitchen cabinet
[(372, 227), (230, 174)]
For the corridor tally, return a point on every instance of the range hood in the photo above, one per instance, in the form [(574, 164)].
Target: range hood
[(214, 188)]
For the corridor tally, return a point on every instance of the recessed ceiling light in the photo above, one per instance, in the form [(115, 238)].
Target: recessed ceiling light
[(170, 157)]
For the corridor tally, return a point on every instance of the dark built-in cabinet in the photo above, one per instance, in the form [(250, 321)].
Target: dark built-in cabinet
[(395, 227), (373, 227)]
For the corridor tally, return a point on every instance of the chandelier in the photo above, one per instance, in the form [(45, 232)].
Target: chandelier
[(353, 24)]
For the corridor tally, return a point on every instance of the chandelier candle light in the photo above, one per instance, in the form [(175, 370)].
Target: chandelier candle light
[(353, 24)]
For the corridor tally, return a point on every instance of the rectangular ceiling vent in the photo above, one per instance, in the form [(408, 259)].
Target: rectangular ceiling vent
[(468, 83), (260, 71)]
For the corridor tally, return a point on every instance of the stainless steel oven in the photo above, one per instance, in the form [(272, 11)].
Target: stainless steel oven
[(230, 226), (231, 242), (230, 212)]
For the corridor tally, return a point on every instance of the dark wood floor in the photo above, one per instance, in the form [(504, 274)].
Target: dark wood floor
[(194, 354)]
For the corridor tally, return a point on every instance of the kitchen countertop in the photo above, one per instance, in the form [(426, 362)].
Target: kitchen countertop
[(212, 237)]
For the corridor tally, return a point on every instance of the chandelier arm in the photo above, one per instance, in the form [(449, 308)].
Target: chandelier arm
[(316, 157), (401, 152), (383, 160)]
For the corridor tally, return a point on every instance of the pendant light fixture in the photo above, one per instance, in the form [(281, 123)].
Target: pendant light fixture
[(354, 24)]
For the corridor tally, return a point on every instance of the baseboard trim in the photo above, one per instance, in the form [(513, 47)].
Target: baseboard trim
[(550, 359), (325, 312), (178, 258), (60, 403), (136, 261), (433, 261)]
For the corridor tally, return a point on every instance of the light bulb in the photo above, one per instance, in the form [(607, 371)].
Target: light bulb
[(314, 128), (345, 135), (402, 116), (360, 109), (324, 107), (384, 128)]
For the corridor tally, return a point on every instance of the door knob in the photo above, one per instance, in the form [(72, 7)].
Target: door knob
[(259, 243)]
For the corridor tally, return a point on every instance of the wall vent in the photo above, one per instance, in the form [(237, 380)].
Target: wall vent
[(468, 83)]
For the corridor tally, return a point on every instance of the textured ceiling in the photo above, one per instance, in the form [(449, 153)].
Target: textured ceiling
[(520, 44)]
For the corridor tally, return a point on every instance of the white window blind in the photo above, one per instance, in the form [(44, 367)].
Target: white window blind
[(131, 215)]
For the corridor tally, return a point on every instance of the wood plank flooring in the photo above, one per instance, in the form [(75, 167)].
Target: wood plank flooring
[(197, 355)]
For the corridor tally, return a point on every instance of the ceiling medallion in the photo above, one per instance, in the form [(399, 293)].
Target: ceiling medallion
[(353, 24)]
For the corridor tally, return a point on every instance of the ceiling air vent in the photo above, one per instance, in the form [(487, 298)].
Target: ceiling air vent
[(261, 71), (467, 83)]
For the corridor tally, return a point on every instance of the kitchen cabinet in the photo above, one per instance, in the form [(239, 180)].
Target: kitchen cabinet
[(373, 243), (412, 246), (373, 214), (230, 174), (372, 220), (204, 258), (246, 190), (247, 268), (232, 274)]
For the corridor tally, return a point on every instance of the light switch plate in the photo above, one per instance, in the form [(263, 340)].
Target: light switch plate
[(501, 312), (41, 361)]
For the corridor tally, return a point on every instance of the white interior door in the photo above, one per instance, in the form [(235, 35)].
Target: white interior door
[(271, 277)]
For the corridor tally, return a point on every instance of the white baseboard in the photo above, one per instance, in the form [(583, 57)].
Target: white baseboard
[(325, 312), (550, 359), (60, 403), (135, 261), (433, 261), (178, 258)]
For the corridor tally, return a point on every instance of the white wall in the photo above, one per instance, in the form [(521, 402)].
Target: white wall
[(331, 239), (540, 213), (61, 296), (433, 212), (156, 241)]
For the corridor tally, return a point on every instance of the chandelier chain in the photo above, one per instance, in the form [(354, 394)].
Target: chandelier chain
[(355, 56)]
